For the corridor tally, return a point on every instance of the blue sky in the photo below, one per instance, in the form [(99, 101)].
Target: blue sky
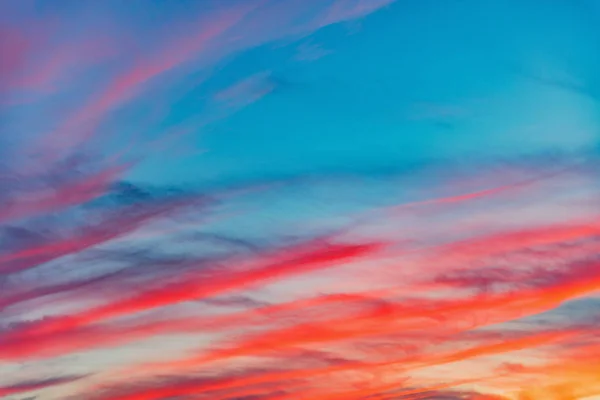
[(408, 84), (411, 83)]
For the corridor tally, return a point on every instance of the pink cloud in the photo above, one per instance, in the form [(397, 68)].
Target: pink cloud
[(15, 48), (130, 82), (127, 84)]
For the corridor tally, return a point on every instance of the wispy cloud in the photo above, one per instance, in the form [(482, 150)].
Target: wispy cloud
[(423, 330)]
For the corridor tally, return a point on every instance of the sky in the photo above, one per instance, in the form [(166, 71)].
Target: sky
[(299, 200)]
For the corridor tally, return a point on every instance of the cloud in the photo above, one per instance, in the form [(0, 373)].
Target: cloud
[(247, 91), (29, 386), (424, 331), (208, 38), (14, 47)]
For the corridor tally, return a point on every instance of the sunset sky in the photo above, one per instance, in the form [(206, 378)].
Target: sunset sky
[(299, 199)]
